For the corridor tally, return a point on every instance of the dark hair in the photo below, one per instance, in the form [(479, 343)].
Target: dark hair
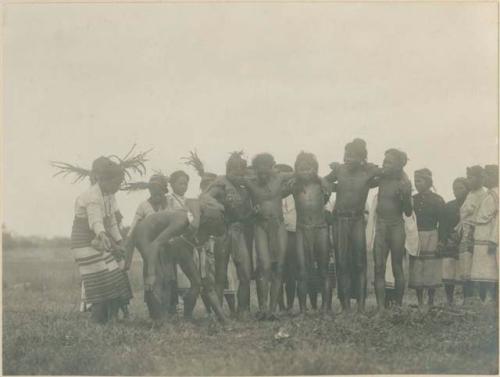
[(492, 171), (308, 159), (400, 156), (235, 162), (463, 181), (475, 171), (177, 175), (263, 160), (104, 168), (425, 174), (284, 168), (357, 148)]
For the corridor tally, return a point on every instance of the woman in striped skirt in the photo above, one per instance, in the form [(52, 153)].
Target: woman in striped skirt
[(426, 268), (96, 242)]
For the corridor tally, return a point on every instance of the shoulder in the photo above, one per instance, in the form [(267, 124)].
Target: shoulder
[(436, 198), (91, 195), (451, 204), (372, 168)]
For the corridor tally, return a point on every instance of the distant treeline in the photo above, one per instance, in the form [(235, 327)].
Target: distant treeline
[(14, 241)]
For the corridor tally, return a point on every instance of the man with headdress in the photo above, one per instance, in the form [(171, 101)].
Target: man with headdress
[(468, 213), (238, 216), (353, 179), (450, 238), (425, 268), (266, 190), (96, 241), (394, 200), (168, 235), (484, 269)]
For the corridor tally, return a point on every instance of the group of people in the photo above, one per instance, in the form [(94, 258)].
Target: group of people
[(295, 233)]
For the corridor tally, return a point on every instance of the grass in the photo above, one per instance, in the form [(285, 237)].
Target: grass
[(44, 333)]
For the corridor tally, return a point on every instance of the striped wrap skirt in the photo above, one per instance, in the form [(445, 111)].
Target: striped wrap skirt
[(101, 275)]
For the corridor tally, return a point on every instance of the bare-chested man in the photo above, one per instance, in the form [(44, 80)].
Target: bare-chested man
[(266, 191), (353, 180), (160, 238), (394, 199), (238, 216), (311, 193)]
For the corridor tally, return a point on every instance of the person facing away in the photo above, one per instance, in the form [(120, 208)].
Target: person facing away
[(266, 192), (484, 271), (311, 193), (96, 242), (353, 179), (468, 211), (394, 200), (426, 268), (450, 238)]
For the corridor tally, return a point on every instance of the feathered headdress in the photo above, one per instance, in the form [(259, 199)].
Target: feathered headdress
[(129, 163), (158, 177), (194, 161)]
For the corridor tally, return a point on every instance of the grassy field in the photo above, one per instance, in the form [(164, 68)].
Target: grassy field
[(44, 333)]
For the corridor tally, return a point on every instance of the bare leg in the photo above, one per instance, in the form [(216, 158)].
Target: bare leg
[(343, 263), (420, 296), (482, 291), (221, 252), (263, 265), (380, 257), (281, 298), (243, 269), (397, 245), (322, 250), (291, 271), (303, 271), (186, 262), (231, 302), (431, 292), (449, 289), (277, 271), (99, 312), (360, 263)]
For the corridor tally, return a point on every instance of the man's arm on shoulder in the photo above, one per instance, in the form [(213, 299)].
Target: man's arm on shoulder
[(375, 174), (333, 175)]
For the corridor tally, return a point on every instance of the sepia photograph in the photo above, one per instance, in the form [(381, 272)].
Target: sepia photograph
[(249, 188)]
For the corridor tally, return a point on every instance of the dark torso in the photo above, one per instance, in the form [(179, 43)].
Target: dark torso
[(236, 200), (309, 203), (390, 203), (428, 208), (267, 197), (352, 188)]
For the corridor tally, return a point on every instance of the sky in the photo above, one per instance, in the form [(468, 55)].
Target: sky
[(84, 80)]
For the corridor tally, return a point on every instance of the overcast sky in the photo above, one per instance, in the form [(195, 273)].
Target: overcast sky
[(85, 80)]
